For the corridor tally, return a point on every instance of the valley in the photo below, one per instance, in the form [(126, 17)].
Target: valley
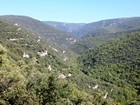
[(59, 63)]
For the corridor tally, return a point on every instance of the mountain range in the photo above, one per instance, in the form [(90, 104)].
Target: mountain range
[(44, 30), (52, 64), (99, 32), (102, 27), (67, 27)]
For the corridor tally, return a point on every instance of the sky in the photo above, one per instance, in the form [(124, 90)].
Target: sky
[(72, 11)]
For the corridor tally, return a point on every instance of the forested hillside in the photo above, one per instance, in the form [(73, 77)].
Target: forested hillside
[(27, 69), (109, 26), (45, 31), (88, 42), (116, 62), (34, 72)]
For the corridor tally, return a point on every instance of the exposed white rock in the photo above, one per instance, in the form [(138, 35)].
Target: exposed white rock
[(64, 52), (16, 24), (65, 59), (69, 39), (74, 40), (61, 76), (25, 55), (95, 87), (105, 97), (50, 68), (13, 39), (89, 86), (19, 29), (69, 75), (42, 54), (55, 49), (25, 44), (39, 39)]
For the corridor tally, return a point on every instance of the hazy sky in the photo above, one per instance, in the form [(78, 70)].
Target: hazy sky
[(77, 11)]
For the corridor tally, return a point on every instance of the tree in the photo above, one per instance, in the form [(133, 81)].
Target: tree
[(51, 94)]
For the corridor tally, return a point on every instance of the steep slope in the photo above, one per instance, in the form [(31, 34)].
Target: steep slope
[(67, 27), (110, 26), (44, 30), (88, 42), (25, 66), (32, 73), (24, 43), (116, 62)]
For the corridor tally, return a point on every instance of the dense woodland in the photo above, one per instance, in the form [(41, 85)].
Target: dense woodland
[(116, 62), (101, 69)]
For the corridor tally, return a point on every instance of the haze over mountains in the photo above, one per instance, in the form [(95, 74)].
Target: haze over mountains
[(100, 27), (56, 63), (97, 32), (68, 27)]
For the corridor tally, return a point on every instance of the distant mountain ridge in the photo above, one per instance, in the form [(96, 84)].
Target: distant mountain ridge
[(67, 27), (50, 33), (110, 26), (98, 28)]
